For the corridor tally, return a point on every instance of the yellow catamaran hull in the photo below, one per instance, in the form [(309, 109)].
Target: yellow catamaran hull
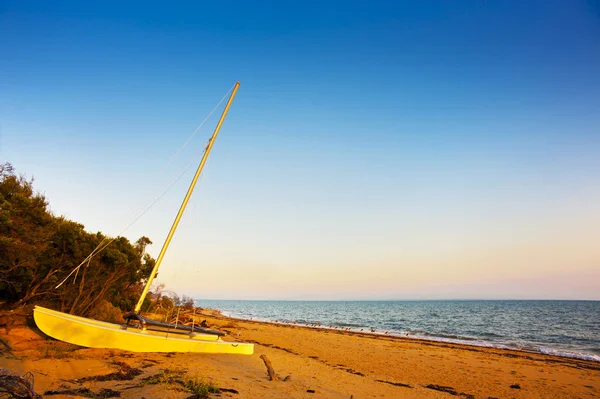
[(98, 334)]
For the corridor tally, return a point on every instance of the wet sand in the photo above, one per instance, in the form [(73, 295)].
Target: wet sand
[(318, 363)]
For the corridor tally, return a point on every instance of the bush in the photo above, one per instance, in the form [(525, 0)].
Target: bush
[(200, 387), (106, 311), (166, 302), (39, 251)]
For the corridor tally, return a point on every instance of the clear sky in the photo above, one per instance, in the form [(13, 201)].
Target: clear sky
[(376, 150)]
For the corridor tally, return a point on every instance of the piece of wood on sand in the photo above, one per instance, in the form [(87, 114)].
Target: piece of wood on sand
[(272, 375)]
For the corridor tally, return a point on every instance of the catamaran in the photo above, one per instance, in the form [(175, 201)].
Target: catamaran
[(139, 334)]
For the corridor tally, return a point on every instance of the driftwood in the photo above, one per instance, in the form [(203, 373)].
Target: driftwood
[(272, 375), (15, 386), (4, 344)]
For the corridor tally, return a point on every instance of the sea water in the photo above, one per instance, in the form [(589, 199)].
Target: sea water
[(564, 328)]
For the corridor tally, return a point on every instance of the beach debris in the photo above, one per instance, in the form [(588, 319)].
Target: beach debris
[(13, 318), (272, 375), (87, 393), (147, 363), (6, 346), (125, 373), (6, 322), (228, 390), (515, 386), (16, 386), (166, 376), (449, 390), (442, 388), (272, 346), (311, 391), (397, 384), (351, 371)]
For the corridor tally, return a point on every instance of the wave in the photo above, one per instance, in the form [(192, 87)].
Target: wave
[(487, 324), (452, 339), (347, 325), (455, 339)]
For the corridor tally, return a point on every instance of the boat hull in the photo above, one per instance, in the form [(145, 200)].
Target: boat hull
[(98, 334)]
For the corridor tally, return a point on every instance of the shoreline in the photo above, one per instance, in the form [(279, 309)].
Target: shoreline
[(467, 342), (310, 362)]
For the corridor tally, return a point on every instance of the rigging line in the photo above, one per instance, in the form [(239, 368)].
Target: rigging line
[(151, 202), (198, 128), (87, 259), (174, 156), (192, 136), (76, 274), (100, 247)]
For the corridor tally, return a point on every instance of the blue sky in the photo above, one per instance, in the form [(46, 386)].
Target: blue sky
[(375, 150)]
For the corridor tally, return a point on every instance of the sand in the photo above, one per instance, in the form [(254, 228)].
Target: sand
[(318, 363)]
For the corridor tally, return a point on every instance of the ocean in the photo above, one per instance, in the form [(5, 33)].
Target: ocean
[(563, 328)]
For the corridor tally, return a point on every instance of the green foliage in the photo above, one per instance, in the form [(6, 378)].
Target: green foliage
[(188, 302), (167, 302), (167, 376), (200, 387), (183, 301), (106, 311), (26, 228), (38, 250)]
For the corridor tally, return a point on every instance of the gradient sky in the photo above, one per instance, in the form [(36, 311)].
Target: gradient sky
[(375, 150)]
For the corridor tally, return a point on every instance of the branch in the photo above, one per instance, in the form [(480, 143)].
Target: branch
[(272, 375)]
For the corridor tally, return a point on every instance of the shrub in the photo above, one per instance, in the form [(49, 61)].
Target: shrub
[(200, 387), (106, 311)]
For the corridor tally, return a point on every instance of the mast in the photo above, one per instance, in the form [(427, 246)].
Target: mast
[(161, 255)]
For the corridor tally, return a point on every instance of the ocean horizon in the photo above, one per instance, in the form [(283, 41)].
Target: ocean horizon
[(568, 328)]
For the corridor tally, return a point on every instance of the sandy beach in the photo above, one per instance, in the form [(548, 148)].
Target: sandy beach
[(310, 363)]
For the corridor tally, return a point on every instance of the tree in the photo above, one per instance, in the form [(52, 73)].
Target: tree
[(26, 228), (39, 250)]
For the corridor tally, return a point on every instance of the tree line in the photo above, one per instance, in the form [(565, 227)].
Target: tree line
[(38, 250)]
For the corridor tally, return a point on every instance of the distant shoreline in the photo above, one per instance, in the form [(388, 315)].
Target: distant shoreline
[(398, 300), (494, 340), (463, 344)]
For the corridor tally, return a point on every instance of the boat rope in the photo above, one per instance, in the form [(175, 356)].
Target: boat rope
[(197, 129), (143, 209), (75, 278), (102, 245), (152, 201)]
